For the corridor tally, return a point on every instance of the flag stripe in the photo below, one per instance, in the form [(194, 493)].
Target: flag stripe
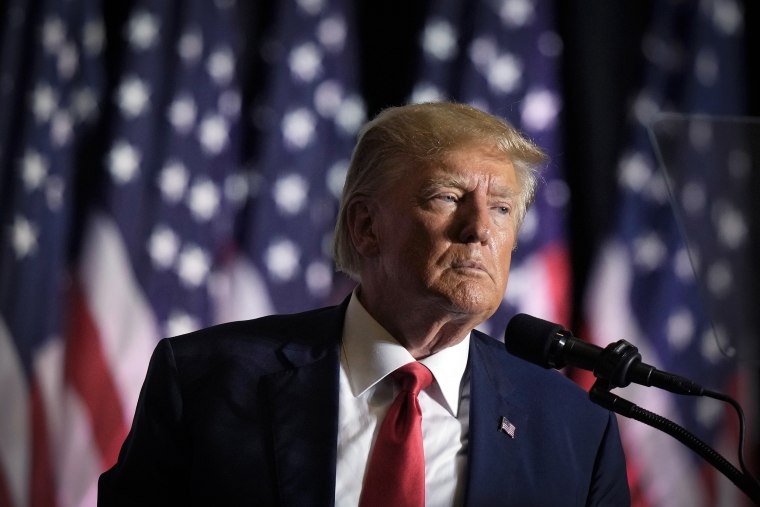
[(123, 319), (89, 374), (15, 427), (43, 482)]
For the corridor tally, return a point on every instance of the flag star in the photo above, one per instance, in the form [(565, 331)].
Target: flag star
[(336, 178), (635, 172), (732, 228), (482, 51), (305, 62), (123, 162), (709, 411), (53, 35), (213, 133), (557, 193), (505, 73), (24, 237), (516, 13), (190, 46), (61, 128), (645, 108), (530, 225), (707, 67), (236, 188), (221, 66), (682, 265), (319, 278), (193, 266), (649, 251), (331, 33), (172, 180), (54, 190), (93, 37), (203, 199), (440, 40), (229, 103), (34, 170), (680, 329), (540, 109), (44, 102), (426, 92), (710, 348), (312, 7), (727, 16), (282, 259), (182, 113), (133, 97), (180, 323), (290, 193), (351, 115), (84, 104), (328, 97), (298, 128), (719, 279), (142, 30), (68, 60), (163, 246), (550, 44)]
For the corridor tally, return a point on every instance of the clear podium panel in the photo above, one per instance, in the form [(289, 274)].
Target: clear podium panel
[(712, 166)]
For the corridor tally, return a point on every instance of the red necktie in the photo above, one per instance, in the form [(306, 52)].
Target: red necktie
[(396, 469)]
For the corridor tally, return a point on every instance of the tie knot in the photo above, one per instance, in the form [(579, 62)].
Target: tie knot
[(413, 377)]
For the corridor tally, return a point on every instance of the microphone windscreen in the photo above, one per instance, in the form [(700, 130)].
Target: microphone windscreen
[(530, 338)]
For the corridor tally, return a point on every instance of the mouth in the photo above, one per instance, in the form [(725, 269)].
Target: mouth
[(469, 266)]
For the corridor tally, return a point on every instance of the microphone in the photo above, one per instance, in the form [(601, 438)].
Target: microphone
[(551, 346)]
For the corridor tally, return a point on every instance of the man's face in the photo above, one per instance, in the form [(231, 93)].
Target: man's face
[(445, 234)]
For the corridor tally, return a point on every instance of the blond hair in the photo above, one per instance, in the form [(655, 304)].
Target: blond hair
[(400, 138)]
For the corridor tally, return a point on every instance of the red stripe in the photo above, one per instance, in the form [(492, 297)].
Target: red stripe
[(557, 265), (87, 370), (5, 495), (42, 493)]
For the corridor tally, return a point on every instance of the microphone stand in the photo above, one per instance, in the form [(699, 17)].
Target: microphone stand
[(612, 372)]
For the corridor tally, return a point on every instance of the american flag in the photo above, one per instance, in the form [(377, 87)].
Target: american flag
[(306, 125), (503, 56), (132, 210), (644, 288)]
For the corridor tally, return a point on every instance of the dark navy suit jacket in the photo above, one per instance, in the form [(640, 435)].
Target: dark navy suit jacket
[(245, 413)]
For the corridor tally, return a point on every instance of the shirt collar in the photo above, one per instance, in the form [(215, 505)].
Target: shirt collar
[(371, 353)]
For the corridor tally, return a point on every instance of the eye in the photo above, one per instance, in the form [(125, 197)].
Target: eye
[(503, 210), (448, 198)]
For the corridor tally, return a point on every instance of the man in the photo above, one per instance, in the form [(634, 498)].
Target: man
[(289, 410)]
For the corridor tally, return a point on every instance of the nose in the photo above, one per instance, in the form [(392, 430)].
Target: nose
[(475, 224)]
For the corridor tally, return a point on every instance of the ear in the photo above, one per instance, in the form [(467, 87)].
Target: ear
[(361, 226)]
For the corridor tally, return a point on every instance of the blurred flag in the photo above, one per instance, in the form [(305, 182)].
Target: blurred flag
[(51, 94), (503, 56), (154, 190), (643, 288), (306, 122)]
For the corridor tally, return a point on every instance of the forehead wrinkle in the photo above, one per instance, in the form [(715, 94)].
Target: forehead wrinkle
[(463, 180)]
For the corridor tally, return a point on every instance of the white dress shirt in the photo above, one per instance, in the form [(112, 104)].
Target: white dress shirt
[(369, 353)]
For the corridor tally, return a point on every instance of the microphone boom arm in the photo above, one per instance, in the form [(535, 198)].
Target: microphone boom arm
[(601, 395)]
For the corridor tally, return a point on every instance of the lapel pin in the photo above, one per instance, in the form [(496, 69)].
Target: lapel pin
[(507, 427)]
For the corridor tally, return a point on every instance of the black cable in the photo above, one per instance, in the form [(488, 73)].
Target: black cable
[(742, 425)]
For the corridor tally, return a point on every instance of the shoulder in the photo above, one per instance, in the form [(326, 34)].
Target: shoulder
[(258, 346), (530, 382)]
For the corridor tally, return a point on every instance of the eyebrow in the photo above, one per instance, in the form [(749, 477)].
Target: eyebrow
[(456, 180)]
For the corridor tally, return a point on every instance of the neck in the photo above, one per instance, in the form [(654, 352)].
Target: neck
[(422, 331)]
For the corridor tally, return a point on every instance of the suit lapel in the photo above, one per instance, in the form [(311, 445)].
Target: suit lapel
[(494, 454), (303, 411)]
